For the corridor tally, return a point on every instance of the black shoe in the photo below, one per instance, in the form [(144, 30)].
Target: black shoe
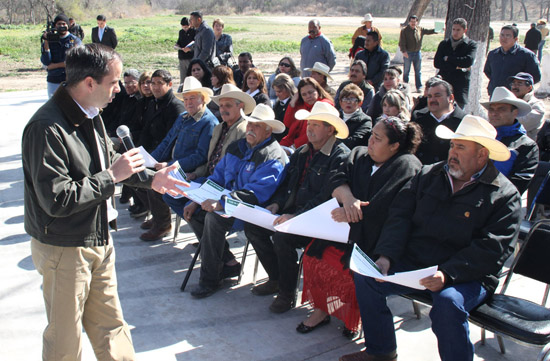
[(347, 333), (203, 291), (306, 329), (138, 212), (231, 271), (281, 303), (265, 289)]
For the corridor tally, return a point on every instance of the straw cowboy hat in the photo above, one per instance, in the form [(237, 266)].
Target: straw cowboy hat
[(193, 85), (326, 113), (504, 96), (264, 114), (477, 130), (367, 17), (320, 68), (231, 91)]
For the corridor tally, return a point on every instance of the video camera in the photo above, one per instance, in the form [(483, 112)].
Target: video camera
[(51, 34)]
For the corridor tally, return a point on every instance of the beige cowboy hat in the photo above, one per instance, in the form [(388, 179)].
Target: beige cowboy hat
[(193, 85), (477, 130), (504, 96), (320, 68), (367, 17), (231, 91), (264, 114), (326, 113)]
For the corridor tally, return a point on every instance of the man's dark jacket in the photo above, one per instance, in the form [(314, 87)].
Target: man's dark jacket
[(533, 37), (434, 149), (109, 37), (377, 62), (65, 188), (158, 119), (462, 57), (468, 234)]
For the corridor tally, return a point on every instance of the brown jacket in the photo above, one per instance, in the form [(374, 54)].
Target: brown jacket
[(410, 40)]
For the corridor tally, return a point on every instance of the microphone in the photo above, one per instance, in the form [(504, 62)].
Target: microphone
[(124, 134)]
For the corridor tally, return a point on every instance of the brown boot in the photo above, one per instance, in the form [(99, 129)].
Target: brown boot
[(364, 356), (148, 224), (155, 233)]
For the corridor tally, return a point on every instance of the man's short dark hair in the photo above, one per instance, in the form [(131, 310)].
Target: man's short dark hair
[(413, 17), (246, 54), (164, 74), (462, 22), (196, 14), (184, 21), (94, 60), (101, 18), (514, 29), (448, 87), (362, 64), (374, 35)]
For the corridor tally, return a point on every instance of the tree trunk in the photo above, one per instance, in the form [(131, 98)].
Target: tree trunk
[(418, 8), (503, 9), (478, 14), (511, 10)]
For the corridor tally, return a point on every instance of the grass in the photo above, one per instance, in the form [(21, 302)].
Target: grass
[(147, 43)]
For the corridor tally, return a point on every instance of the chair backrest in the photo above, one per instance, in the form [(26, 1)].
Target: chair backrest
[(533, 259), (542, 197)]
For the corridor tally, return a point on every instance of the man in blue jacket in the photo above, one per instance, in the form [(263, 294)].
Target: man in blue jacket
[(251, 169), (187, 143), (53, 52)]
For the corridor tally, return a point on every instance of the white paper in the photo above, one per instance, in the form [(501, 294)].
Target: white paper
[(208, 190), (179, 174), (317, 223), (149, 160), (254, 215), (362, 264)]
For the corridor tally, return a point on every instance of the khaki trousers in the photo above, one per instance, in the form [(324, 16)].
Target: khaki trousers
[(80, 290)]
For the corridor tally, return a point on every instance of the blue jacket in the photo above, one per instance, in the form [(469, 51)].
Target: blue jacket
[(252, 174), (524, 155), (57, 55), (189, 139), (500, 65)]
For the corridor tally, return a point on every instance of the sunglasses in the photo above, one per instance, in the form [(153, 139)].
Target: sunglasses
[(286, 65)]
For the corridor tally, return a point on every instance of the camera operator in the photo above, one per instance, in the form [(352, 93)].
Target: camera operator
[(55, 44)]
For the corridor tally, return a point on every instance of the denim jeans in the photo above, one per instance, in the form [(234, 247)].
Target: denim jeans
[(541, 45), (52, 87), (449, 315), (416, 59)]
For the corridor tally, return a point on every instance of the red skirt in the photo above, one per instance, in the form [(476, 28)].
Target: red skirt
[(329, 287)]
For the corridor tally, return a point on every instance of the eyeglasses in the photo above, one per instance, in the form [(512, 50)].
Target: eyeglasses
[(286, 65), (350, 100)]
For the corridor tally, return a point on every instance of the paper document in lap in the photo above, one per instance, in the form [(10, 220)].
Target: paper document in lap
[(208, 190), (249, 213), (317, 223), (179, 174), (149, 160), (362, 264)]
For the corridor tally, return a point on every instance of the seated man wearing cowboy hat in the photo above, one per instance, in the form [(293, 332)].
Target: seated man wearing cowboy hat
[(186, 142), (504, 108), (320, 72), (233, 127), (461, 215), (305, 187), (251, 169)]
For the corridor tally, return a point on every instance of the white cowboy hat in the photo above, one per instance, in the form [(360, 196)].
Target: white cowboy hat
[(326, 113), (320, 68), (504, 96), (264, 114), (477, 130), (193, 85), (367, 17), (231, 91)]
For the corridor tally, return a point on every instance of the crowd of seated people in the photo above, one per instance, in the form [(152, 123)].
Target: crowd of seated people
[(389, 164)]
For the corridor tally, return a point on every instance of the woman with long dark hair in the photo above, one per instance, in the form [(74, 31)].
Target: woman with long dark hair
[(199, 70)]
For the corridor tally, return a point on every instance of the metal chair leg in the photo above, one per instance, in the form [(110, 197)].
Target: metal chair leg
[(416, 308), (177, 228), (501, 344), (296, 291), (243, 260), (190, 269)]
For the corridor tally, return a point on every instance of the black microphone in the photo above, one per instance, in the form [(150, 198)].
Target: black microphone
[(124, 134)]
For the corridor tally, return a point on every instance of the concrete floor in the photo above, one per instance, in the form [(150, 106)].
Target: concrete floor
[(166, 323)]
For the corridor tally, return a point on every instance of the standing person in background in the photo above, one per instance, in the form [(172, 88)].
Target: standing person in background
[(366, 28), (454, 59), (410, 44), (104, 34), (541, 25), (204, 47), (76, 29), (316, 47), (185, 53), (224, 42), (533, 37), (53, 54)]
